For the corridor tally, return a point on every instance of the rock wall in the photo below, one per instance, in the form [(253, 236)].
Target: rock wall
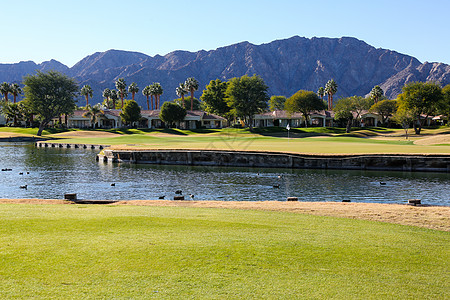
[(431, 163)]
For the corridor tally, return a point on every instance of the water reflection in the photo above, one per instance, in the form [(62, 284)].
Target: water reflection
[(55, 171)]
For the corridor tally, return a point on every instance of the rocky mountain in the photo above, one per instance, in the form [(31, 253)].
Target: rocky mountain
[(286, 66)]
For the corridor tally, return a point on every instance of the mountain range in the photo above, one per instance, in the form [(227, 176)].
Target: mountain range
[(285, 65)]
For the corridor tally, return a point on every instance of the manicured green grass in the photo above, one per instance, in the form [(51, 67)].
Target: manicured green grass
[(104, 252)]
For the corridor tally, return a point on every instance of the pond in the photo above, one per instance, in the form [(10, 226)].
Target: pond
[(49, 173)]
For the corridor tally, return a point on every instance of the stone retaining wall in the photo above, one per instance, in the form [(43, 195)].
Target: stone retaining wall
[(67, 145), (403, 162)]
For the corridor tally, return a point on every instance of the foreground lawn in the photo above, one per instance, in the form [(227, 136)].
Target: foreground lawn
[(80, 251)]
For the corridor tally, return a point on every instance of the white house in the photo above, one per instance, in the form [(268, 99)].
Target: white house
[(281, 118)]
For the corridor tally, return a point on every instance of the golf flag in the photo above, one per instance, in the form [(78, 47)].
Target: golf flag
[(288, 127)]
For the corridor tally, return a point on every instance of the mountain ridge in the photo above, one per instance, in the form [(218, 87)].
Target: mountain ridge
[(286, 65)]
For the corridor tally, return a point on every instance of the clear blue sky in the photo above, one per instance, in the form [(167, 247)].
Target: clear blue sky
[(69, 30)]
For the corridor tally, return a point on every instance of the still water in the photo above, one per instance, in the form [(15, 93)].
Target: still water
[(53, 172)]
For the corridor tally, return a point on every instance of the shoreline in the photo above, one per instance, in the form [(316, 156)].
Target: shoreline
[(431, 217)]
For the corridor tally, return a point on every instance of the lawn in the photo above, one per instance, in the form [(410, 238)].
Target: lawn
[(81, 251), (301, 140)]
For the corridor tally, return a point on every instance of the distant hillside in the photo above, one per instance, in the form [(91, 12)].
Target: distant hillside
[(285, 65)]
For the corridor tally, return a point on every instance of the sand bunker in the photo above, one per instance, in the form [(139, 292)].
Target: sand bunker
[(434, 140), (85, 134)]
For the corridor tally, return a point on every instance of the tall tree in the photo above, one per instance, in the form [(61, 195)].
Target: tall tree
[(114, 97), (147, 91), (50, 95), (385, 109), (404, 117), (305, 102), (214, 98), (171, 113), (158, 91), (121, 87), (360, 104), (15, 90), (444, 106), (321, 92), (247, 96), (343, 111), (331, 89), (12, 111), (131, 112), (277, 103), (181, 91), (192, 85), (422, 100), (87, 92), (5, 89), (376, 93), (133, 89), (106, 94), (93, 112), (187, 101)]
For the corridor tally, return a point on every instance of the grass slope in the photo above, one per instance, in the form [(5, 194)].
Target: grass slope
[(79, 251)]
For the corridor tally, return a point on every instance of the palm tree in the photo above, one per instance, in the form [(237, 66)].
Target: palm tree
[(5, 89), (192, 85), (158, 91), (15, 90), (147, 91), (321, 92), (121, 87), (93, 112), (330, 90), (114, 97), (133, 89), (106, 94), (376, 93), (86, 91), (181, 91)]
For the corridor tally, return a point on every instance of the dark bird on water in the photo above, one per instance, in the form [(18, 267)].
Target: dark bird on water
[(382, 183), (192, 196), (113, 184), (21, 173), (28, 172), (179, 192), (276, 186), (24, 186), (161, 197)]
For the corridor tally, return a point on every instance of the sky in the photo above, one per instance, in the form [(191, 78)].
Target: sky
[(69, 30)]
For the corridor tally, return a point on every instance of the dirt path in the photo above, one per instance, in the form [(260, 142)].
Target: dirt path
[(433, 217)]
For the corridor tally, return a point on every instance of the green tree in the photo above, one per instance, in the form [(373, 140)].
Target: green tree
[(15, 90), (87, 92), (50, 95), (404, 117), (94, 113), (304, 102), (157, 92), (360, 104), (214, 98), (187, 101), (181, 91), (147, 92), (321, 92), (330, 89), (131, 112), (133, 89), (376, 93), (247, 96), (107, 102), (5, 89), (12, 111), (420, 98), (171, 113), (343, 111), (444, 105), (384, 108), (114, 97), (192, 85), (277, 103), (121, 87)]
